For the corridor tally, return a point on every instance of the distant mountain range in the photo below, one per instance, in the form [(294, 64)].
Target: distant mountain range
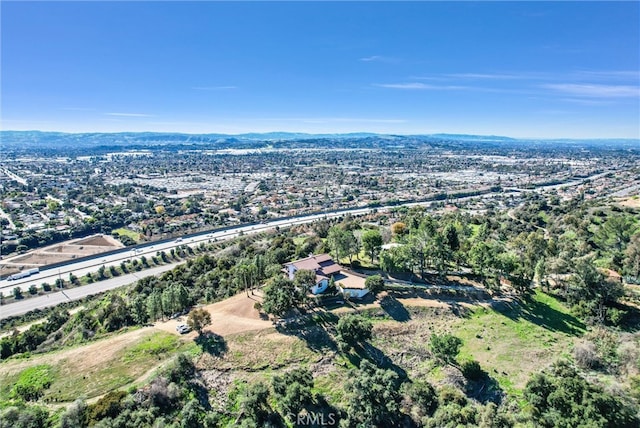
[(60, 141)]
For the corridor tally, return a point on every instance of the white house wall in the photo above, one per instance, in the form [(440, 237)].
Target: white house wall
[(320, 287), (354, 293), (292, 270)]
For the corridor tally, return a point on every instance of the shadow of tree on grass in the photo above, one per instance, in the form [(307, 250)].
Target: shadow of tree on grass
[(316, 329), (485, 389), (543, 315), (375, 355)]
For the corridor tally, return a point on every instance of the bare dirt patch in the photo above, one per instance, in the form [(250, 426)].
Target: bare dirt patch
[(633, 202), (233, 315), (61, 252), (100, 241)]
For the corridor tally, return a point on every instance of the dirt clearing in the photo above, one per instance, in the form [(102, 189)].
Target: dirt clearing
[(233, 315), (68, 250)]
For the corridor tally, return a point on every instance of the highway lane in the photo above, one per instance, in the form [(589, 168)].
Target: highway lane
[(81, 268), (55, 298), (91, 265)]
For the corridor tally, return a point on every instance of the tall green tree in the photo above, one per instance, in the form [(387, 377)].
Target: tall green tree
[(420, 244), (374, 397), (560, 397), (445, 347), (632, 257), (336, 242), (374, 284), (353, 330), (372, 242), (591, 289), (342, 243), (154, 305), (396, 259), (451, 237), (246, 276), (615, 232), (198, 319), (282, 295), (304, 279), (254, 404), (294, 390)]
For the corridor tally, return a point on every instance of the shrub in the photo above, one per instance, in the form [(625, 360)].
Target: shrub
[(181, 369), (374, 283), (75, 415), (615, 316), (586, 355), (353, 329), (472, 370), (32, 382), (423, 395), (107, 406), (445, 347)]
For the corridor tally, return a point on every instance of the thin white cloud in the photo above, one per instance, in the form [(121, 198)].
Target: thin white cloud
[(485, 76), (421, 86), (510, 75), (372, 58), (330, 120), (505, 75), (378, 58), (595, 91), (213, 88), (633, 75), (129, 114), (365, 120), (588, 101), (551, 112)]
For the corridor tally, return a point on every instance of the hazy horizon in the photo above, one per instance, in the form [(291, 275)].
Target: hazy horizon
[(355, 133)]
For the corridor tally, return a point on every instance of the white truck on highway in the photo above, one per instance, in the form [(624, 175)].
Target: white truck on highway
[(23, 274)]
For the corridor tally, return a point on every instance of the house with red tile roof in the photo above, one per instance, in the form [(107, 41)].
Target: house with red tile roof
[(323, 266), (347, 282)]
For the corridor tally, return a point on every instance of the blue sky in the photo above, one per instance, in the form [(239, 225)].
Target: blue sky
[(540, 69)]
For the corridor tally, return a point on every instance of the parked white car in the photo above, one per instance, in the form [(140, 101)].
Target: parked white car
[(183, 328)]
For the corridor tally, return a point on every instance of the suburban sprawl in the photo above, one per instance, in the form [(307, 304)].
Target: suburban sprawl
[(355, 280)]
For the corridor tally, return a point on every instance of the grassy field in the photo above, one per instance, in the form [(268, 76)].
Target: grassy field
[(510, 342), (130, 233), (299, 240), (97, 368), (520, 339)]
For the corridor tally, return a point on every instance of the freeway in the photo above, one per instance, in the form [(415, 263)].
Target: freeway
[(90, 265), (55, 298), (83, 267)]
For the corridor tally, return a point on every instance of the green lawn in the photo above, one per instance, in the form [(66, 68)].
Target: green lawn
[(72, 374), (130, 233), (520, 339), (510, 343)]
